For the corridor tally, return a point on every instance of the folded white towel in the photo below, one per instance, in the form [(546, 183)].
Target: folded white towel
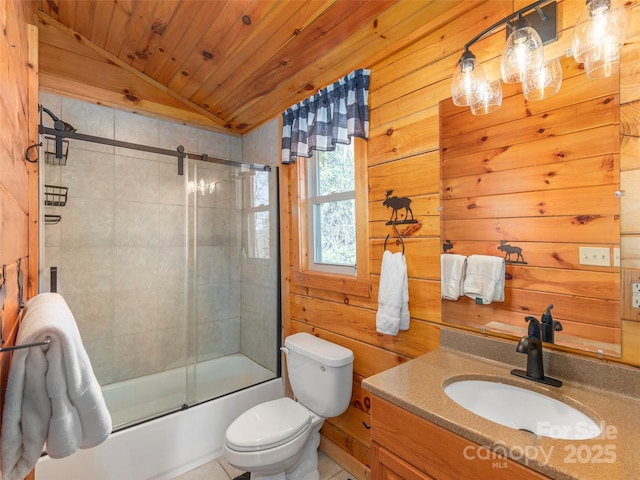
[(484, 280), (393, 295), (452, 271), (52, 393)]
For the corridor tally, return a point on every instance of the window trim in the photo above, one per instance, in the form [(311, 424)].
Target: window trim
[(358, 284)]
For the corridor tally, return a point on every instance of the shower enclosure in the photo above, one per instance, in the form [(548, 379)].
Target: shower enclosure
[(171, 271)]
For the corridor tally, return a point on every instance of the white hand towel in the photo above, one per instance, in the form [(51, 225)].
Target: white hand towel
[(52, 393), (393, 295), (484, 280), (452, 272)]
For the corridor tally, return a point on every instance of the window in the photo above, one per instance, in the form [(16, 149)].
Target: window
[(331, 219), (257, 214), (331, 211)]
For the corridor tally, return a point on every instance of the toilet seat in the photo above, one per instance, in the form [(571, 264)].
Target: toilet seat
[(268, 425)]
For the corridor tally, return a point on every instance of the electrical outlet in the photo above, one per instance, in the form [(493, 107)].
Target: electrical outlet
[(635, 301), (616, 256), (635, 287), (597, 256)]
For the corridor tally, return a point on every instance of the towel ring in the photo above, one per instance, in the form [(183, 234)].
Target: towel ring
[(399, 238)]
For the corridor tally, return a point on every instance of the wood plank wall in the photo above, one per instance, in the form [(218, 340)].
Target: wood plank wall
[(18, 130), (403, 153), (542, 177), (630, 185)]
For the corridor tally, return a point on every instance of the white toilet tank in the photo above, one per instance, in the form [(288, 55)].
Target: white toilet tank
[(320, 373)]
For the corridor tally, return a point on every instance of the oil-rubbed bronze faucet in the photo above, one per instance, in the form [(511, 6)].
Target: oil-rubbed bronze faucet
[(549, 325), (531, 344)]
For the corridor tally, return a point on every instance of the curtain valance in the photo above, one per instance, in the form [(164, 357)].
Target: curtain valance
[(333, 115)]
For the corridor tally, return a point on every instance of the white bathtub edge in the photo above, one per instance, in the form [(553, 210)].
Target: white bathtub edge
[(164, 448)]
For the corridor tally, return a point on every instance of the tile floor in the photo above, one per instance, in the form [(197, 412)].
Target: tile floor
[(219, 469)]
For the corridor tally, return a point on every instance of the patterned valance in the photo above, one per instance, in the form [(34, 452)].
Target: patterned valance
[(333, 115)]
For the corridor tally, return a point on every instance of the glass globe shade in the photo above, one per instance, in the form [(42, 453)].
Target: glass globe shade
[(598, 37), (543, 83), (522, 52), (467, 80), (489, 98)]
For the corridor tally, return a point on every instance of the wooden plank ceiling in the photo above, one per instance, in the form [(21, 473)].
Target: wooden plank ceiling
[(221, 64)]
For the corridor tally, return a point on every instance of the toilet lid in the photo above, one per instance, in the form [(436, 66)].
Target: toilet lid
[(268, 425)]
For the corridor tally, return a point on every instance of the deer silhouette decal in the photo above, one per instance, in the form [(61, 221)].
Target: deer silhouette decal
[(398, 203), (509, 250)]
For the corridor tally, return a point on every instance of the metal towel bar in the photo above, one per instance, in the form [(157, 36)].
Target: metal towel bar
[(46, 341)]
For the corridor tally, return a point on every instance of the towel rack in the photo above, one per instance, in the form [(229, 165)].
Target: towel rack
[(395, 229), (46, 341)]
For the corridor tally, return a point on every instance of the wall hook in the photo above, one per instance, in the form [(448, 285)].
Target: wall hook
[(398, 234), (26, 153)]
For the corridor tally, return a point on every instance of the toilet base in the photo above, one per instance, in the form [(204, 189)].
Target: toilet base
[(307, 467)]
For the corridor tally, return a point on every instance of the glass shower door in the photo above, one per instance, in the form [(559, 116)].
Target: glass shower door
[(232, 252), (119, 250)]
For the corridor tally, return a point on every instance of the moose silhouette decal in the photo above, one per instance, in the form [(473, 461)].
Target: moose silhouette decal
[(509, 250), (446, 246), (398, 203)]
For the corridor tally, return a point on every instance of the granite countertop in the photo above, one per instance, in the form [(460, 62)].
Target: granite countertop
[(418, 386)]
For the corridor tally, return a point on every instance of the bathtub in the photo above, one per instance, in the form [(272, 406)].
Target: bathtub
[(132, 400), (168, 446)]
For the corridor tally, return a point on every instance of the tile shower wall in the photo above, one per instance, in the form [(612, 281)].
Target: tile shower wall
[(120, 246)]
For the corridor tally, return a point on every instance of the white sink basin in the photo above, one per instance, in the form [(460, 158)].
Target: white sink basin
[(522, 409)]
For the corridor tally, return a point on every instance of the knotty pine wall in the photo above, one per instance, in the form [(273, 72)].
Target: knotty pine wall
[(403, 154), (18, 179)]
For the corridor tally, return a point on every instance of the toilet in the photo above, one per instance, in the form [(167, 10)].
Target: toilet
[(279, 439)]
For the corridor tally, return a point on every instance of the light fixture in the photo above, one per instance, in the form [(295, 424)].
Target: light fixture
[(468, 79), (522, 53), (597, 39), (598, 36), (543, 83)]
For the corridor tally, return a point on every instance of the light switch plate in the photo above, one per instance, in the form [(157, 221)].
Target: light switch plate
[(598, 256)]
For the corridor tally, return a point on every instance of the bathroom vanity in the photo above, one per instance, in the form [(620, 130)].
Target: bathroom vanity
[(406, 446), (418, 432)]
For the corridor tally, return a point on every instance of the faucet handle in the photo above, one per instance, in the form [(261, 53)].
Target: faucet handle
[(534, 327)]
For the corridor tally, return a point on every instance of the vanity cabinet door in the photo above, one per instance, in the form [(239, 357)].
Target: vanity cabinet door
[(386, 466), (403, 439)]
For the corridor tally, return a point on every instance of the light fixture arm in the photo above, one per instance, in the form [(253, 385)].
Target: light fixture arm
[(543, 17), (506, 20)]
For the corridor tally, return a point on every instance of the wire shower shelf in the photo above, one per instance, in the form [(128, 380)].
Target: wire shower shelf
[(50, 151), (55, 196)]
